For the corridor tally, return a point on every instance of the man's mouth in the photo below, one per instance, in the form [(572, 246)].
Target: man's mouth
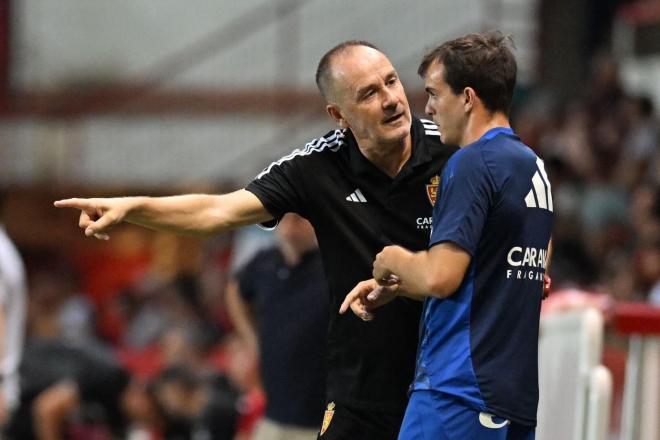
[(393, 118)]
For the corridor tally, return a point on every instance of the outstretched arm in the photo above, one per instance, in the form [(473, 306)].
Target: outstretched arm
[(198, 214)]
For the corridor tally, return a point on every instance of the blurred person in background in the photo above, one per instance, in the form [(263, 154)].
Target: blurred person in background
[(367, 184), (13, 298), (57, 308), (167, 293), (67, 390), (195, 399), (157, 309), (604, 162), (279, 306), (194, 406), (647, 257), (640, 142), (189, 343)]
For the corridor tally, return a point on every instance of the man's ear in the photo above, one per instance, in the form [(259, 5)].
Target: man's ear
[(470, 99), (335, 113)]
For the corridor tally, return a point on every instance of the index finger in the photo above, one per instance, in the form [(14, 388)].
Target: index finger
[(352, 295), (74, 203)]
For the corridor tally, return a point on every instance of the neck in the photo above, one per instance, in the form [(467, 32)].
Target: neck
[(480, 122), (293, 255), (389, 158)]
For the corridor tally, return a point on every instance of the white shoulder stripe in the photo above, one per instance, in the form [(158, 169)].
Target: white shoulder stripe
[(548, 187), (332, 142), (430, 127)]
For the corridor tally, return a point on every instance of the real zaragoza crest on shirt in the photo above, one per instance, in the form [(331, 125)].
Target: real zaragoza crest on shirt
[(327, 417), (432, 189)]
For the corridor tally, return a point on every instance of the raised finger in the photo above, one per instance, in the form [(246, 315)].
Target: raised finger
[(84, 204), (352, 295), (362, 288)]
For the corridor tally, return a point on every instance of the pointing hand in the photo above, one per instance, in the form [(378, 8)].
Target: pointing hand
[(97, 216)]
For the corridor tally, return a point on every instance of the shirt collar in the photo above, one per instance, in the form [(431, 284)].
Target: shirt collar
[(494, 132), (420, 153)]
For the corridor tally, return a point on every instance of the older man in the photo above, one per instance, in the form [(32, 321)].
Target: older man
[(369, 183)]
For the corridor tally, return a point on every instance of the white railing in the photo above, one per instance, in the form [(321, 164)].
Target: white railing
[(575, 390)]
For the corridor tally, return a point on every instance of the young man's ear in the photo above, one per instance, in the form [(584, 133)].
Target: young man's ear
[(336, 115), (470, 98)]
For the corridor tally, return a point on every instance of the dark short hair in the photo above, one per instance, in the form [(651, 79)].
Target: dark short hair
[(484, 62), (323, 77)]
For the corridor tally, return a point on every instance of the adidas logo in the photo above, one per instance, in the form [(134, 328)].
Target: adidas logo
[(540, 196), (356, 196)]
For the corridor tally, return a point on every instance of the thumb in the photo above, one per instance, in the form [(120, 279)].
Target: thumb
[(376, 293), (381, 291)]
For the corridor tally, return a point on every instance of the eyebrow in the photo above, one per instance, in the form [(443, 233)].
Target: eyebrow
[(362, 90)]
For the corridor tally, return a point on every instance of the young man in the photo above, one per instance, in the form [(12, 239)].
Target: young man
[(363, 186), (482, 277)]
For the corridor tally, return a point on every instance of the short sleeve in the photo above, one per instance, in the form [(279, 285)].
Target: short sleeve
[(466, 194), (280, 187)]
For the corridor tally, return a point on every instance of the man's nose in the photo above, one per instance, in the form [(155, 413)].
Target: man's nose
[(428, 109), (389, 99)]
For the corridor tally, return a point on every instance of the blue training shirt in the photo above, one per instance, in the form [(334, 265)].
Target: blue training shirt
[(480, 345)]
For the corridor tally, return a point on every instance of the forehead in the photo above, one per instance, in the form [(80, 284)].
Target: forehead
[(435, 75), (360, 65)]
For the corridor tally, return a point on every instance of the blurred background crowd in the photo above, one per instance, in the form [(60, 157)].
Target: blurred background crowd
[(133, 336), (603, 154)]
